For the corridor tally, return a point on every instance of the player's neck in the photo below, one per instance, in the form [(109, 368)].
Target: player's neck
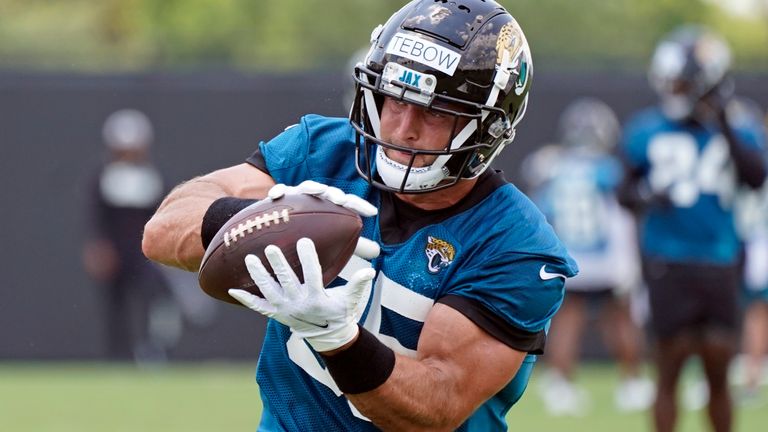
[(440, 199)]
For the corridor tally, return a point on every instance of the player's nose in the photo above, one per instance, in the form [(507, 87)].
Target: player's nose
[(410, 126)]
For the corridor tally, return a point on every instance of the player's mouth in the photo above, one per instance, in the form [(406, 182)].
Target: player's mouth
[(404, 158)]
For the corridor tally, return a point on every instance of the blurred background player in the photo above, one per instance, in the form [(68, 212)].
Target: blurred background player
[(141, 321), (685, 162), (752, 223), (574, 183), (754, 350)]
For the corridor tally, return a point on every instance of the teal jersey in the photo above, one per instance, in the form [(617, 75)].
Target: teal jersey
[(579, 200), (576, 200), (691, 164), (492, 258)]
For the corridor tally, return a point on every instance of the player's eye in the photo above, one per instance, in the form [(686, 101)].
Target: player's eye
[(436, 114), (397, 105)]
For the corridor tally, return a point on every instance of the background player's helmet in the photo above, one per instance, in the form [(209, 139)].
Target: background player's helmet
[(690, 63), (541, 166), (468, 53), (127, 129), (589, 124)]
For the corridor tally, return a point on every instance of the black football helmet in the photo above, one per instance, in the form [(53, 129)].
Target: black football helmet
[(589, 124), (440, 54), (127, 129), (689, 64)]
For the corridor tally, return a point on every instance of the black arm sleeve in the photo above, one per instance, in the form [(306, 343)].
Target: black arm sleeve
[(635, 194), (223, 209), (628, 193), (750, 163), (218, 214)]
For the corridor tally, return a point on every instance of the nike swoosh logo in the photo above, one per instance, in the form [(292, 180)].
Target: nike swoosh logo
[(324, 325), (545, 275)]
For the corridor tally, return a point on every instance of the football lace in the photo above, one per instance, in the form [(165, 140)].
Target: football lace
[(257, 222)]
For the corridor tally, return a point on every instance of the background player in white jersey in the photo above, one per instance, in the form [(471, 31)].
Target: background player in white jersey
[(440, 330), (685, 163), (574, 183), (752, 223), (751, 373)]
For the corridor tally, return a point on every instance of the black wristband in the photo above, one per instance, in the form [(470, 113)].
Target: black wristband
[(218, 214), (362, 367)]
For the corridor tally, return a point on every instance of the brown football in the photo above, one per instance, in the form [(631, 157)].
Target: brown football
[(280, 222)]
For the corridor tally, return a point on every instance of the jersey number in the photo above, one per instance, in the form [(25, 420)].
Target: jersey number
[(579, 213), (678, 169)]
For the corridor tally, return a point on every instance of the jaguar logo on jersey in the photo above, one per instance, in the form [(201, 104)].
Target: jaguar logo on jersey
[(440, 254)]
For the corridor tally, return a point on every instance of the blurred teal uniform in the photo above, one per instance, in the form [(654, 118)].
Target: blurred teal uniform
[(492, 257), (691, 248), (691, 165), (573, 198), (579, 200)]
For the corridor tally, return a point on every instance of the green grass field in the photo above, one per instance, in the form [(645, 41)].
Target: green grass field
[(84, 397)]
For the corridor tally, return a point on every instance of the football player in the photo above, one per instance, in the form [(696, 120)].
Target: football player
[(574, 183), (124, 192), (440, 329), (685, 161), (752, 223), (755, 297)]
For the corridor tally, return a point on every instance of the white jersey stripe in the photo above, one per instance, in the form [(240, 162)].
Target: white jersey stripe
[(404, 301)]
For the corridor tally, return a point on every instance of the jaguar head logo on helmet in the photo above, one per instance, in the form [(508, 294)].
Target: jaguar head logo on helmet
[(468, 59)]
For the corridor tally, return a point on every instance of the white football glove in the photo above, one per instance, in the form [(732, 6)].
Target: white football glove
[(325, 318), (330, 193), (366, 249)]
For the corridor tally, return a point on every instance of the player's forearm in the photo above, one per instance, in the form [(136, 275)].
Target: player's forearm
[(458, 366), (750, 163), (635, 194), (418, 396), (172, 235)]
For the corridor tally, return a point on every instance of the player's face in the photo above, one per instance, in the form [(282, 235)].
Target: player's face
[(415, 127)]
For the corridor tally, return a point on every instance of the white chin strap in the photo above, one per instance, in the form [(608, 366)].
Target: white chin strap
[(419, 178)]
